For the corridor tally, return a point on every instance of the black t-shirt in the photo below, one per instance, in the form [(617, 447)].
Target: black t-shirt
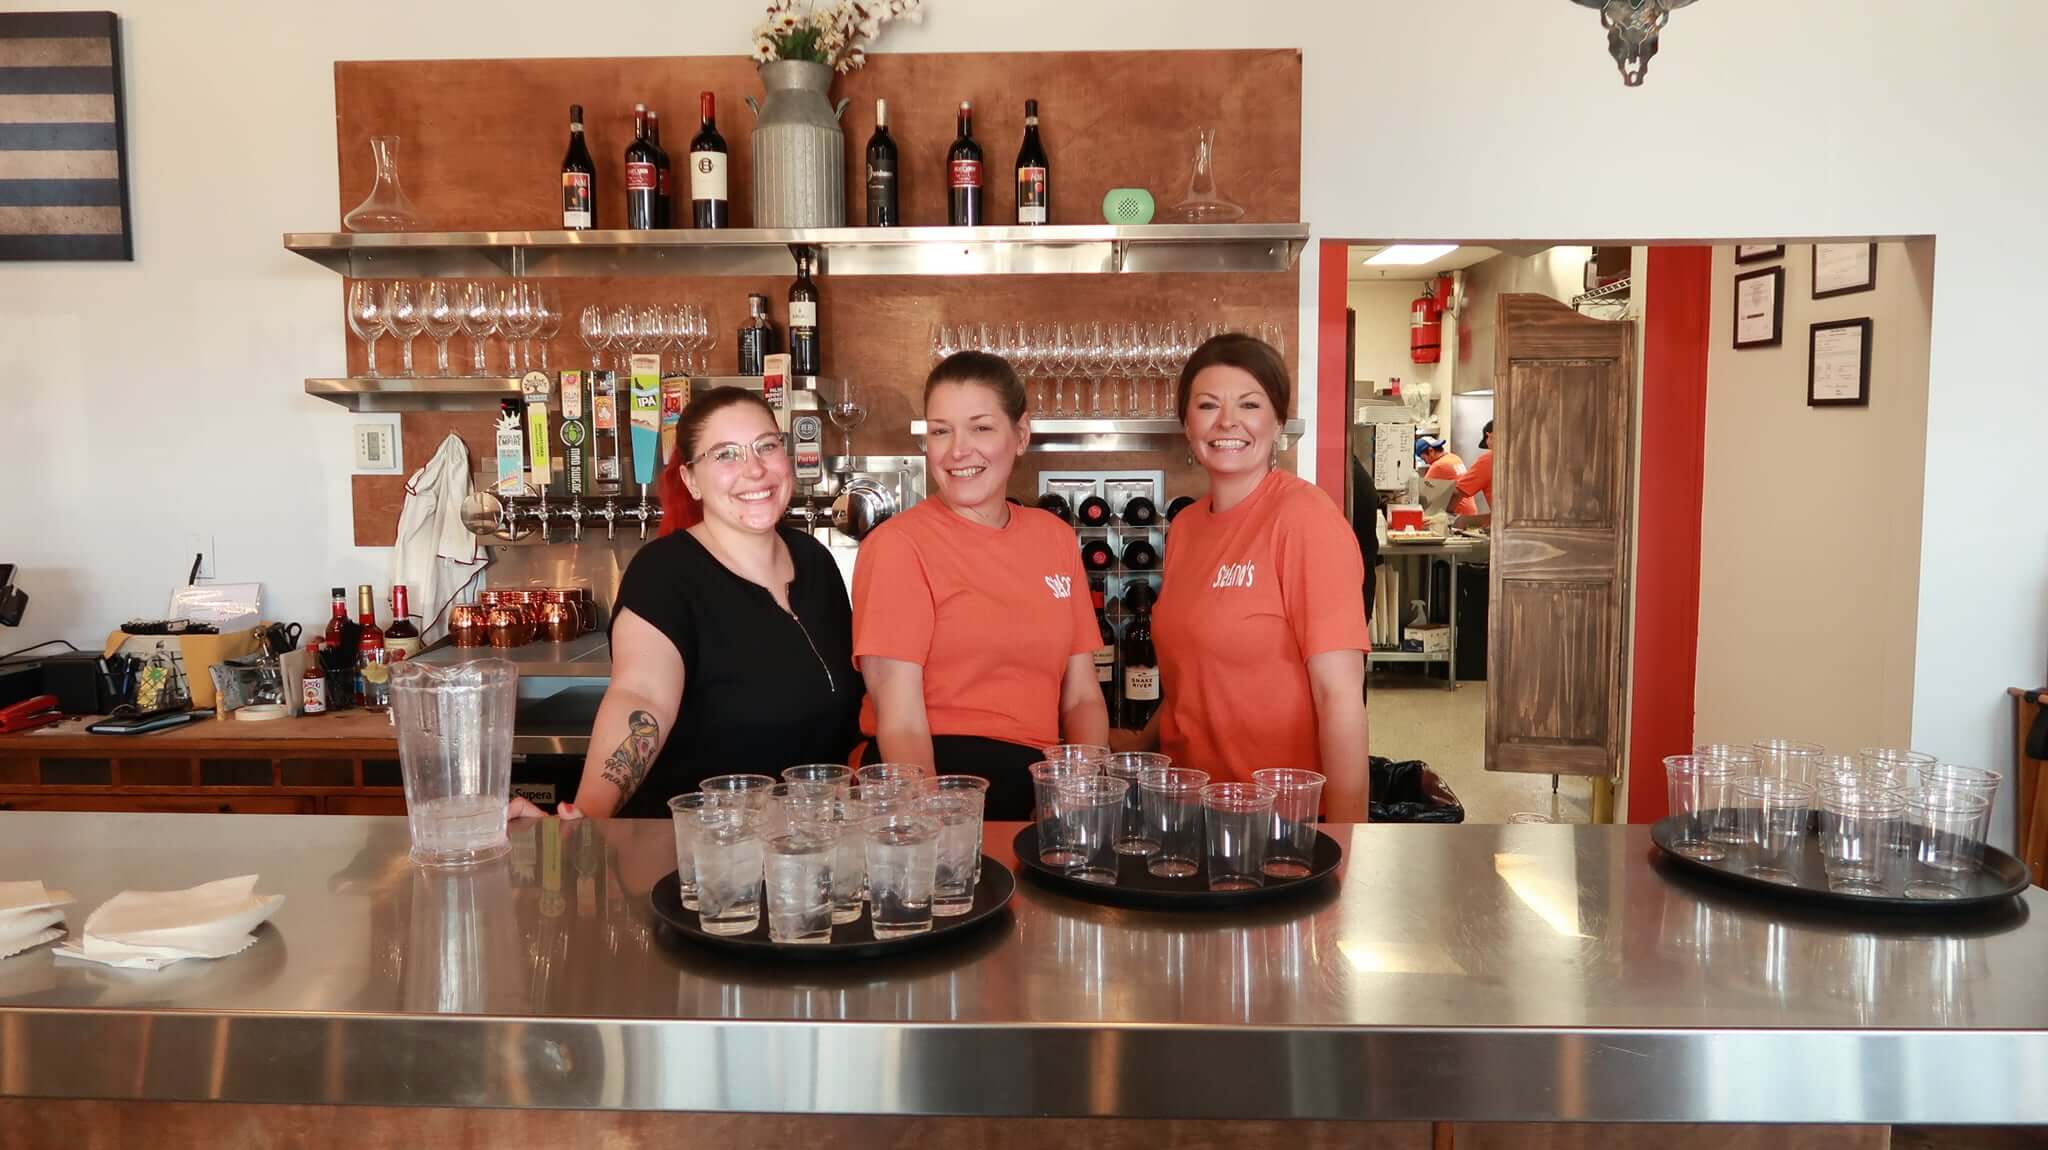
[(761, 690)]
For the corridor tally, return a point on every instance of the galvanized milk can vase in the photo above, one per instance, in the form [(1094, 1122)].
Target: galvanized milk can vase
[(799, 151)]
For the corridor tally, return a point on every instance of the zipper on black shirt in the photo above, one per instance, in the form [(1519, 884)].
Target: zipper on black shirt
[(831, 680)]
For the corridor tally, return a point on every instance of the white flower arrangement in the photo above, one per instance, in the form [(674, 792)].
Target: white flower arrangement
[(835, 33)]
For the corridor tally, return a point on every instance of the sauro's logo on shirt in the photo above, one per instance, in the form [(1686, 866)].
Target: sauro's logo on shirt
[(1235, 575), (1062, 585)]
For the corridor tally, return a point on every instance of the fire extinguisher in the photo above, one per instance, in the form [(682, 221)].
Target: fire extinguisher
[(1425, 329)]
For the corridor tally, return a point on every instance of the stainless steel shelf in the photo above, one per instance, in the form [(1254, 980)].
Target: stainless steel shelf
[(1063, 250), (1106, 434), (470, 393), (584, 657)]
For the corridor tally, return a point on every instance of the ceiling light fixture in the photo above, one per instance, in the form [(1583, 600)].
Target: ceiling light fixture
[(1409, 255), (1632, 27)]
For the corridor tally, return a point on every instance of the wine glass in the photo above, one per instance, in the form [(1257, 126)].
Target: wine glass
[(366, 318), (706, 321), (550, 305), (1275, 336), (651, 325), (1038, 352), (618, 325), (1098, 356), (967, 337), (1066, 357), (943, 343), (479, 320), (846, 402), (440, 317), (590, 325), (402, 315), (517, 320)]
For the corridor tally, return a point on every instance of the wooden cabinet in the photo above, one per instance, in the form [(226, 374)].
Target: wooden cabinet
[(45, 800), (363, 805)]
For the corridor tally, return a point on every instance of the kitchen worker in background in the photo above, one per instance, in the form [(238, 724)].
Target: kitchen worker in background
[(1478, 479), (971, 615), (1441, 463)]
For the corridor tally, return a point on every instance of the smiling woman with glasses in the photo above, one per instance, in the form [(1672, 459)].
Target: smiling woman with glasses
[(732, 640)]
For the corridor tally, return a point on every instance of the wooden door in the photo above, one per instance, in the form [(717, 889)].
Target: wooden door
[(1564, 418)]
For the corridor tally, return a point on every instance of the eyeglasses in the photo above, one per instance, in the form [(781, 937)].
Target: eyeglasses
[(768, 449)]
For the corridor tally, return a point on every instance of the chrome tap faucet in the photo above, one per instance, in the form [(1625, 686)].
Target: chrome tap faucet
[(610, 514)]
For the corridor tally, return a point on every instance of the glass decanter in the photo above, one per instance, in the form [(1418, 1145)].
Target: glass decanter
[(385, 209), (1203, 204)]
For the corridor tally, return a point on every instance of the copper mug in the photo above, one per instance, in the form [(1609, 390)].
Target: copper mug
[(509, 626), (467, 625), (566, 598), (557, 621)]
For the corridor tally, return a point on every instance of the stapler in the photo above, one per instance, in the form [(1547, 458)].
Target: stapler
[(29, 714)]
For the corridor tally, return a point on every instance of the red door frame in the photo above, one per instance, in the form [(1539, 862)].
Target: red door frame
[(1670, 470)]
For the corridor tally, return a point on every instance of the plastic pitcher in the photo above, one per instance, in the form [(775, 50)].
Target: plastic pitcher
[(455, 751)]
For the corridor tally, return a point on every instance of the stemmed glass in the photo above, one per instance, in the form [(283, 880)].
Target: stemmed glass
[(440, 318), (550, 304), (590, 325), (1038, 357), (1275, 336), (1068, 347), (618, 325), (1098, 364), (479, 320), (846, 402), (402, 316), (706, 342), (518, 320), (651, 326), (366, 318), (943, 342), (681, 328)]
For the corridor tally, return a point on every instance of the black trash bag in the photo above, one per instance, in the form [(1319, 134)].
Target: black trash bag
[(1409, 792)]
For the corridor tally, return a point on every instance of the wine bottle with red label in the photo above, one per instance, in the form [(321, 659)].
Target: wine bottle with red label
[(1034, 173), (963, 174), (643, 175), (579, 178)]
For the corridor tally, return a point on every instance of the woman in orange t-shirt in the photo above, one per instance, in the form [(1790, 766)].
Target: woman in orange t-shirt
[(1260, 624), (972, 622)]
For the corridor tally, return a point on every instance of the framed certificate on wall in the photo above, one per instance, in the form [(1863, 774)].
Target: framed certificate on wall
[(1760, 308), (1843, 269), (1838, 364), (1756, 253)]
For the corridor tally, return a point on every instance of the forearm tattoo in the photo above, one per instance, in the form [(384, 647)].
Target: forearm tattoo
[(627, 768)]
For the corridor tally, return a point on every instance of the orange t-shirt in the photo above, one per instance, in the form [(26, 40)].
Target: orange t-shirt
[(1449, 466), (1246, 598), (1478, 480), (991, 614)]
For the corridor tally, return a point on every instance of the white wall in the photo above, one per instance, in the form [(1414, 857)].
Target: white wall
[(134, 377), (1558, 272), (1383, 351), (1810, 525)]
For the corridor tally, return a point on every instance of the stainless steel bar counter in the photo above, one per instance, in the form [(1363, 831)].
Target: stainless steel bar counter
[(1477, 973)]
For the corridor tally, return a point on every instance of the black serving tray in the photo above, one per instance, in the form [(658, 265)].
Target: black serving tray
[(1137, 887), (2000, 879), (851, 940)]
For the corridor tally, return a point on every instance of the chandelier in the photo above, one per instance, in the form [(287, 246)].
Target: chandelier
[(1632, 27)]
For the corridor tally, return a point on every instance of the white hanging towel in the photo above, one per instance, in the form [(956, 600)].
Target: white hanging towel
[(436, 556)]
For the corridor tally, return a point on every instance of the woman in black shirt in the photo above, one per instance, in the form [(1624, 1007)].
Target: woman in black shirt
[(731, 641)]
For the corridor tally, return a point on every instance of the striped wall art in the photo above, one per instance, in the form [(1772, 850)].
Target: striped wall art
[(63, 161)]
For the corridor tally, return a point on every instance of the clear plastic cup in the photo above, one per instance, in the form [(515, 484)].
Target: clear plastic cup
[(798, 877), (835, 779), (881, 781), (1775, 814), (1091, 753), (1172, 800), (1297, 804), (749, 791), (1053, 848), (728, 855), (1972, 780), (957, 802), (841, 818), (1134, 835), (454, 726), (1237, 817), (1787, 758), (903, 852), (1898, 765), (1682, 777), (1718, 766), (1950, 824), (682, 811), (1835, 768), (1858, 815), (1091, 810)]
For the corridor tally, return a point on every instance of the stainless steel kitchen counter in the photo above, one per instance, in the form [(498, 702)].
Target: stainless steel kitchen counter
[(1481, 973)]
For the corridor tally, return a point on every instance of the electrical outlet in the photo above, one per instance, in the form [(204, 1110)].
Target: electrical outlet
[(377, 447)]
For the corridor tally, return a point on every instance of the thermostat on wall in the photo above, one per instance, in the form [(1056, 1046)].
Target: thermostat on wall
[(377, 447)]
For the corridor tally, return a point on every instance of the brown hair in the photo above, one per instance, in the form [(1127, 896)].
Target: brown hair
[(702, 407), (980, 367), (1249, 354)]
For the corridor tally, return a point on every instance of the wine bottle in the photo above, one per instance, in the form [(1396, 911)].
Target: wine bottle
[(579, 178), (1141, 556), (1057, 504), (1094, 511), (1180, 504), (1096, 555), (757, 336), (1034, 174), (709, 207), (963, 173), (337, 627), (882, 172), (806, 341), (373, 668), (402, 638), (1140, 511), (1105, 660), (643, 178), (664, 212), (1141, 664)]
